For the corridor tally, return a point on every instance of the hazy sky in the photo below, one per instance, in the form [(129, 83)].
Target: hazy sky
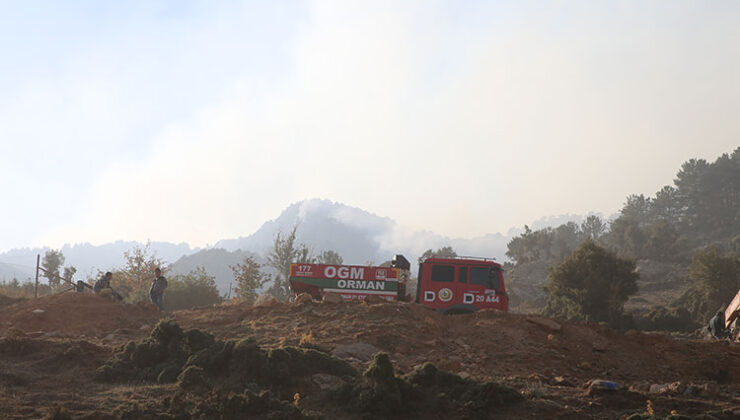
[(198, 121)]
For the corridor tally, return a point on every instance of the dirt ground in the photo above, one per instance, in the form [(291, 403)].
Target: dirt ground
[(52, 346)]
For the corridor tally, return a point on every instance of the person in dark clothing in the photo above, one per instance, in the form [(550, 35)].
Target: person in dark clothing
[(717, 325), (103, 282), (156, 293)]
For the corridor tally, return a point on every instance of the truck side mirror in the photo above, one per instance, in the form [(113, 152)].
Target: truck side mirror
[(493, 278)]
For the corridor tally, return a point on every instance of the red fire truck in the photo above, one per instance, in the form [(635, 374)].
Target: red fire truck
[(460, 284)]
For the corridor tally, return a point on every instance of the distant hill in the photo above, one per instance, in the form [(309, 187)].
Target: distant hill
[(358, 236), (323, 225), (87, 258)]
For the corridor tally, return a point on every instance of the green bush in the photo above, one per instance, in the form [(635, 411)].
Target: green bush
[(591, 284), (191, 290), (667, 319), (715, 278)]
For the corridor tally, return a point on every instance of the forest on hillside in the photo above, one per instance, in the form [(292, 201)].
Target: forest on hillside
[(694, 224)]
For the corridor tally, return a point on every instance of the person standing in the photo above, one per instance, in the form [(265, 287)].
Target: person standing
[(156, 293), (717, 325)]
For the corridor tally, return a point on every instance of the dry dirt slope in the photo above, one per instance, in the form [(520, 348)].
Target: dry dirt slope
[(61, 347)]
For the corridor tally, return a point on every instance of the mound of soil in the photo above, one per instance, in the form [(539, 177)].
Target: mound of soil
[(7, 301), (169, 353), (77, 314), (271, 381), (486, 344), (36, 375), (423, 393), (256, 360)]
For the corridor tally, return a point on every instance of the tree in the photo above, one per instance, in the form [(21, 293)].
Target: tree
[(329, 257), (444, 252), (627, 237), (593, 227), (249, 278), (518, 248), (715, 278), (637, 208), (69, 272), (665, 206), (591, 284), (285, 251), (662, 241), (51, 263), (533, 246), (689, 186), (137, 275), (191, 290), (565, 238)]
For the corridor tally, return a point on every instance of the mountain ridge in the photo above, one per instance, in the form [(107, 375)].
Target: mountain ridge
[(359, 236)]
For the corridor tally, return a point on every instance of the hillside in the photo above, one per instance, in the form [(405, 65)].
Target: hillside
[(660, 283), (546, 364), (690, 226), (359, 236)]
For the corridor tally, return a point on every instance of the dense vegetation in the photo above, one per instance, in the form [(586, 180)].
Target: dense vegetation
[(191, 290), (592, 284), (693, 223), (703, 207)]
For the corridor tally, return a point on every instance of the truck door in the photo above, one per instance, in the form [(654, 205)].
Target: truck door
[(439, 287), (463, 286), (483, 288)]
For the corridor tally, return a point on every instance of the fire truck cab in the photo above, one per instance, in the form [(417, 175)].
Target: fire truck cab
[(461, 284)]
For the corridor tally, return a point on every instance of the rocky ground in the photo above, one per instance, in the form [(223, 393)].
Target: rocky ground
[(86, 356)]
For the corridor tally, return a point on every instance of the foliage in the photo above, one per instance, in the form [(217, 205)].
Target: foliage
[(69, 273), (554, 244), (661, 318), (591, 284), (136, 277), (593, 227), (249, 278), (444, 252), (703, 206), (51, 264), (285, 251), (329, 257), (16, 289), (715, 278), (627, 237), (191, 290)]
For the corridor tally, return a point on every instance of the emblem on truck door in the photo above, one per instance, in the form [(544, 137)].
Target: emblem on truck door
[(445, 295)]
